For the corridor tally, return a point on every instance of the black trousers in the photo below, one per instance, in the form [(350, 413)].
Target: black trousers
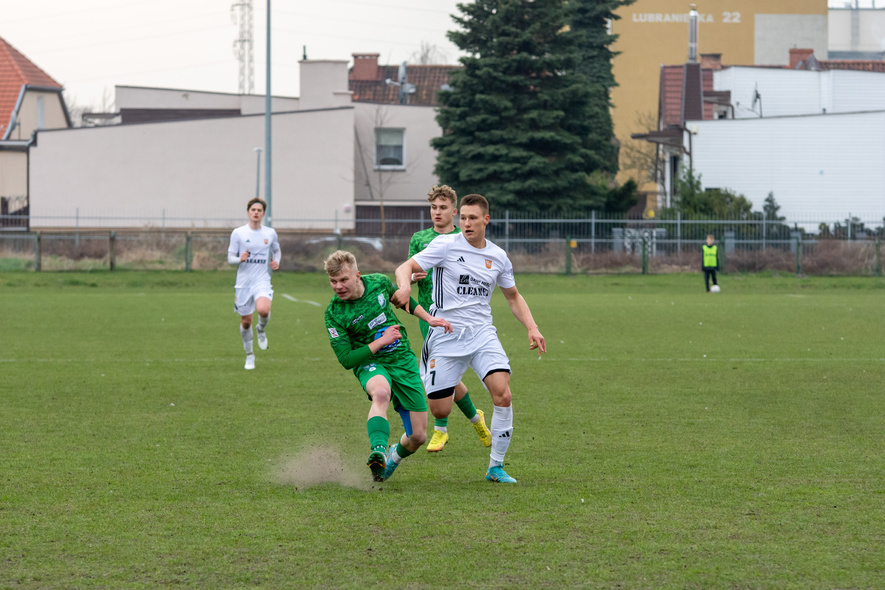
[(709, 272)]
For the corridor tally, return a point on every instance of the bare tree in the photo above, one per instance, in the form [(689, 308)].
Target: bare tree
[(379, 179), (639, 158), (428, 54)]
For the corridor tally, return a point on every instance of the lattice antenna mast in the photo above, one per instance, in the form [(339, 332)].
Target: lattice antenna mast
[(241, 13)]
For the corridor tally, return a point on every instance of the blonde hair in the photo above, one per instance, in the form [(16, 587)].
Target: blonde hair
[(442, 192), (336, 261)]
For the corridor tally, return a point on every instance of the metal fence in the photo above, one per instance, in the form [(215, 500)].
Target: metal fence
[(564, 246)]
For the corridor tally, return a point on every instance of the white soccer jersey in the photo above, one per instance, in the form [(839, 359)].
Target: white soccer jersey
[(464, 278), (261, 244)]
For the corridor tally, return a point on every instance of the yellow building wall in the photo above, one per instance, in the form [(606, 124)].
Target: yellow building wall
[(655, 32)]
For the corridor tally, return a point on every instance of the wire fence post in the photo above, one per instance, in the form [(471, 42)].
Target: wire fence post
[(724, 252), (798, 256), (593, 232), (878, 257), (645, 254), (38, 238), (507, 230), (188, 251), (678, 232), (112, 249)]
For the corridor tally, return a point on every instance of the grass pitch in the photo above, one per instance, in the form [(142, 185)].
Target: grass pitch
[(669, 439)]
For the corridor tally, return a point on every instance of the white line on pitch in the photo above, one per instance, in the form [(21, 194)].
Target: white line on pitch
[(290, 298)]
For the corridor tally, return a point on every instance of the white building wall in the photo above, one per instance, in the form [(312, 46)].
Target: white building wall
[(192, 173), (820, 168), (869, 26), (412, 183), (783, 92), (800, 92), (137, 97), (775, 34)]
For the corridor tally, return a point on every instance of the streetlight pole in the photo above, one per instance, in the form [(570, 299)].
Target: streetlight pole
[(258, 175), (267, 133)]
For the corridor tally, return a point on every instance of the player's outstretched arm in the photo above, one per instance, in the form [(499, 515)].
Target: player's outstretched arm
[(435, 322), (404, 283), (522, 312)]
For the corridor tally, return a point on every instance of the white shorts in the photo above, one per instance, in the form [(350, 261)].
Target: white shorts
[(446, 357), (245, 297)]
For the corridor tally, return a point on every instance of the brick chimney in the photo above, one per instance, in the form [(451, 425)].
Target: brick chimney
[(798, 56), (365, 66), (711, 61)]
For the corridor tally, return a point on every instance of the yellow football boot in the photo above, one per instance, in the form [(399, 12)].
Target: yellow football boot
[(485, 437), (439, 440)]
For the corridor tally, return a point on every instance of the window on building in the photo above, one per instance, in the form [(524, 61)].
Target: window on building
[(390, 148)]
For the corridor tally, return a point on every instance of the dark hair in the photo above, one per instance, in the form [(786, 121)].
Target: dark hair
[(256, 200), (477, 200)]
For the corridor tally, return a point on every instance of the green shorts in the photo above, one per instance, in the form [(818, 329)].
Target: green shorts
[(401, 373)]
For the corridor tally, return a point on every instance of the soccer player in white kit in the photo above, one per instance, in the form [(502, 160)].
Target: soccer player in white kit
[(466, 268), (256, 249)]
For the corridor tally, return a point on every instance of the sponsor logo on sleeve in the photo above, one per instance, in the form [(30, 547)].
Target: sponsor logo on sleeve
[(333, 332), (378, 320), (432, 363), (380, 302)]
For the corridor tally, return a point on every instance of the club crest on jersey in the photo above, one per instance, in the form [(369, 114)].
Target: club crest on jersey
[(432, 363), (378, 320), (333, 332), (488, 263), (265, 241), (380, 301)]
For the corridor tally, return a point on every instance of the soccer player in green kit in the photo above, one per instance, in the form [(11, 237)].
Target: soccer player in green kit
[(442, 211), (365, 334)]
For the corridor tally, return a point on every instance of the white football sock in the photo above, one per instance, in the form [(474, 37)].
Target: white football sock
[(394, 456), (246, 333), (443, 429), (262, 322), (502, 430)]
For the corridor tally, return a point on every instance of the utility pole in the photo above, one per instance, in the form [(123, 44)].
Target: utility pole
[(267, 137)]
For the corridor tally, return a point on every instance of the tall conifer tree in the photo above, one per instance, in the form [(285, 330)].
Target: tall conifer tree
[(519, 125)]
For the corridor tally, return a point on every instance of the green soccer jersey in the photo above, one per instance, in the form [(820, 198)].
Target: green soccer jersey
[(352, 325), (419, 241)]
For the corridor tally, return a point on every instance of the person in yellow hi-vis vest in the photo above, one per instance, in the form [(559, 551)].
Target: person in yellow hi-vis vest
[(710, 262)]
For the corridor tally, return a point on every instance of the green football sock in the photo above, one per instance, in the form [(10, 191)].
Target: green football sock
[(441, 422), (379, 432), (465, 404), (402, 451)]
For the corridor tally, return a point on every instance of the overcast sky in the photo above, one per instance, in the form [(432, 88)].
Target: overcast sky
[(89, 46), (92, 45)]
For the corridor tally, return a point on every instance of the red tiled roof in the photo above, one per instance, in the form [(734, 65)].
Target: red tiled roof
[(670, 108), (427, 80), (858, 65), (16, 70)]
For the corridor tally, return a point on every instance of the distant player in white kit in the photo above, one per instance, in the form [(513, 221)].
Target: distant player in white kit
[(256, 249), (466, 268)]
